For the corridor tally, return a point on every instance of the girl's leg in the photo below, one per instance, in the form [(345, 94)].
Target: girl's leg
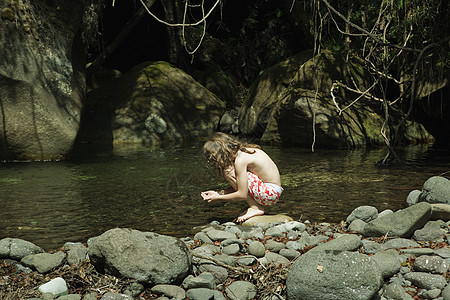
[(254, 209)]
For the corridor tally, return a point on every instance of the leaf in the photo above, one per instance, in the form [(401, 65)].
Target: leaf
[(320, 268)]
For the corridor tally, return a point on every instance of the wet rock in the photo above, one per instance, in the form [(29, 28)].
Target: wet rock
[(145, 256), (17, 248), (402, 223), (336, 274)]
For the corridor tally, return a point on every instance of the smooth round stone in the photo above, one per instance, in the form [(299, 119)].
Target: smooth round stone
[(257, 249)]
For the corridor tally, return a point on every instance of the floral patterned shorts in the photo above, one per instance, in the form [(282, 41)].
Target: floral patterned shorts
[(264, 193)]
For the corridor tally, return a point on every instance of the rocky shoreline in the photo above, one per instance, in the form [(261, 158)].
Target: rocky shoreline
[(371, 255)]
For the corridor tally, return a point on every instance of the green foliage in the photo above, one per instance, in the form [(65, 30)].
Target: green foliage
[(263, 41)]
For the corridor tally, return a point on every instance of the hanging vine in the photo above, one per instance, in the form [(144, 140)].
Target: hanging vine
[(398, 34)]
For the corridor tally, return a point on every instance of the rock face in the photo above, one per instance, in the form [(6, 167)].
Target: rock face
[(337, 274), (287, 99), (151, 104), (145, 256), (42, 81)]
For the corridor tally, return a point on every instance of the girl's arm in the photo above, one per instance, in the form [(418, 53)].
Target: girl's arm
[(240, 167)]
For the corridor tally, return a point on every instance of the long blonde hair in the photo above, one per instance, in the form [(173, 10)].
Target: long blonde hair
[(221, 149)]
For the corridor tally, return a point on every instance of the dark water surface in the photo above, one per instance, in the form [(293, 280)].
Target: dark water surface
[(50, 203)]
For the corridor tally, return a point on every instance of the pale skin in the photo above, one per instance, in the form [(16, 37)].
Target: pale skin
[(258, 163)]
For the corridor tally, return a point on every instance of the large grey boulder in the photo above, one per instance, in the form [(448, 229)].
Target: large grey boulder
[(333, 275), (42, 83), (401, 223), (17, 248), (145, 256), (152, 104), (436, 190)]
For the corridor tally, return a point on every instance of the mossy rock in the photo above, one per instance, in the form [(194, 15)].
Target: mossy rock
[(152, 104)]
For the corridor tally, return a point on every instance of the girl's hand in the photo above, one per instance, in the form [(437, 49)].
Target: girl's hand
[(209, 196)]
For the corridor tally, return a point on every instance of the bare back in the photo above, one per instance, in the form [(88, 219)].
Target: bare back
[(260, 164)]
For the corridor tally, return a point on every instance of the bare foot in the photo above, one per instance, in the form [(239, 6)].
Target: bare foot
[(251, 212)]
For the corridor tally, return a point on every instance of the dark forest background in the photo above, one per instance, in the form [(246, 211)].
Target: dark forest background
[(405, 43)]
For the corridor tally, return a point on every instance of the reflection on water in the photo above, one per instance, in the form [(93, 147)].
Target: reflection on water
[(50, 203)]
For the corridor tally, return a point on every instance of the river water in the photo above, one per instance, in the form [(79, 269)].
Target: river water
[(50, 203)]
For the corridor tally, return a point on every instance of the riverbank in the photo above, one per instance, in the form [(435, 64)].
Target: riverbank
[(270, 259)]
